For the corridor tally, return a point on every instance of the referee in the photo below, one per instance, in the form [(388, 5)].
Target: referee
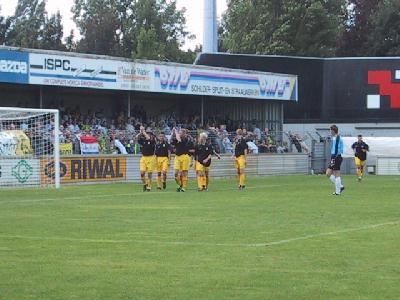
[(333, 170)]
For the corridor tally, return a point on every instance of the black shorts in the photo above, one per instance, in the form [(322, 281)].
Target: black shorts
[(335, 163)]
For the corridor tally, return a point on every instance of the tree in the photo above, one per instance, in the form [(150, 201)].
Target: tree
[(148, 45), (27, 24), (357, 28), (4, 24), (131, 28), (384, 38), (98, 23), (70, 43), (53, 33), (30, 27), (286, 27)]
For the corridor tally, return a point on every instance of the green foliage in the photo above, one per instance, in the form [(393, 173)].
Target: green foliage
[(141, 28), (148, 45), (357, 28), (384, 38), (27, 24), (53, 33), (70, 43), (153, 29), (98, 23), (286, 27), (30, 27), (3, 28)]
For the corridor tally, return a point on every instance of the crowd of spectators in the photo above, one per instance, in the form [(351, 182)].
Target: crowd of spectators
[(123, 129), (120, 129)]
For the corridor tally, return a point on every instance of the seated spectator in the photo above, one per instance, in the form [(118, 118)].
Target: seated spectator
[(302, 143), (257, 132), (130, 147), (227, 145), (295, 142), (282, 148), (129, 126)]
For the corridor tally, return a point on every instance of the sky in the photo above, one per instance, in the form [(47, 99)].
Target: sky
[(194, 15)]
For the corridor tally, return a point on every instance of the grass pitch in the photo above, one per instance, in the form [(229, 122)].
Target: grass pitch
[(281, 238)]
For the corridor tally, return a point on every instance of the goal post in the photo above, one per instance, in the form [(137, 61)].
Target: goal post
[(29, 147)]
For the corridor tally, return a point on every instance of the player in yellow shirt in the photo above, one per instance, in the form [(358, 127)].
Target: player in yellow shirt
[(241, 151), (203, 153), (360, 156), (147, 144), (183, 149), (163, 157)]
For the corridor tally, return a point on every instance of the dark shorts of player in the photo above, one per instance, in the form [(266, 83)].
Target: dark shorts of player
[(335, 163)]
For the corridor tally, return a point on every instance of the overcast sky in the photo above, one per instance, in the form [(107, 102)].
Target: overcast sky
[(194, 14)]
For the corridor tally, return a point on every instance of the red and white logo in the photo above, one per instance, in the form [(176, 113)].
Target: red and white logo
[(383, 79)]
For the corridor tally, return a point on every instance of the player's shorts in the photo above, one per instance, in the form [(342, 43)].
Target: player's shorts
[(147, 163), (335, 163), (200, 168), (162, 164), (182, 162), (240, 162), (359, 162)]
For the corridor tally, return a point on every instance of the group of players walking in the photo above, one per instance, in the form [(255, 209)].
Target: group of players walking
[(156, 157)]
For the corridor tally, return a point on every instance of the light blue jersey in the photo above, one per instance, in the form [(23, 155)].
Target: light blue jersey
[(340, 146)]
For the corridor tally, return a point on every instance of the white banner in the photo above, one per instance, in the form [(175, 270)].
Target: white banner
[(195, 80), (19, 172), (72, 71), (378, 146), (159, 77), (135, 77), (90, 148), (8, 144)]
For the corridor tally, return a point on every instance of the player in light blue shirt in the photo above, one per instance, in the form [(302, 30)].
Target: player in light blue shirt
[(333, 170)]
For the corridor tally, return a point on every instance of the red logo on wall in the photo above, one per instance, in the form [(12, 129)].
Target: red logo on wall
[(386, 88)]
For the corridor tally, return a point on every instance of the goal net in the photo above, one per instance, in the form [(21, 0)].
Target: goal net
[(29, 147)]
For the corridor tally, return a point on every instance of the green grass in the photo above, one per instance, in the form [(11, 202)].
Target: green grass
[(282, 238)]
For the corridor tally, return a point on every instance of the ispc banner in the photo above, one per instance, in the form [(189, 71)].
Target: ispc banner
[(19, 172), (86, 169), (70, 71), (14, 67)]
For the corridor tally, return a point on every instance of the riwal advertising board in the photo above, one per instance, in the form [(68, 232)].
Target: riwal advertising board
[(72, 71), (14, 66), (81, 169), (210, 82)]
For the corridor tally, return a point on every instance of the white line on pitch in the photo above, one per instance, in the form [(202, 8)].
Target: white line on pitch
[(91, 196), (185, 243), (311, 236)]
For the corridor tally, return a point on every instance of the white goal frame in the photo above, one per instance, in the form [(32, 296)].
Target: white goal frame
[(27, 112)]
